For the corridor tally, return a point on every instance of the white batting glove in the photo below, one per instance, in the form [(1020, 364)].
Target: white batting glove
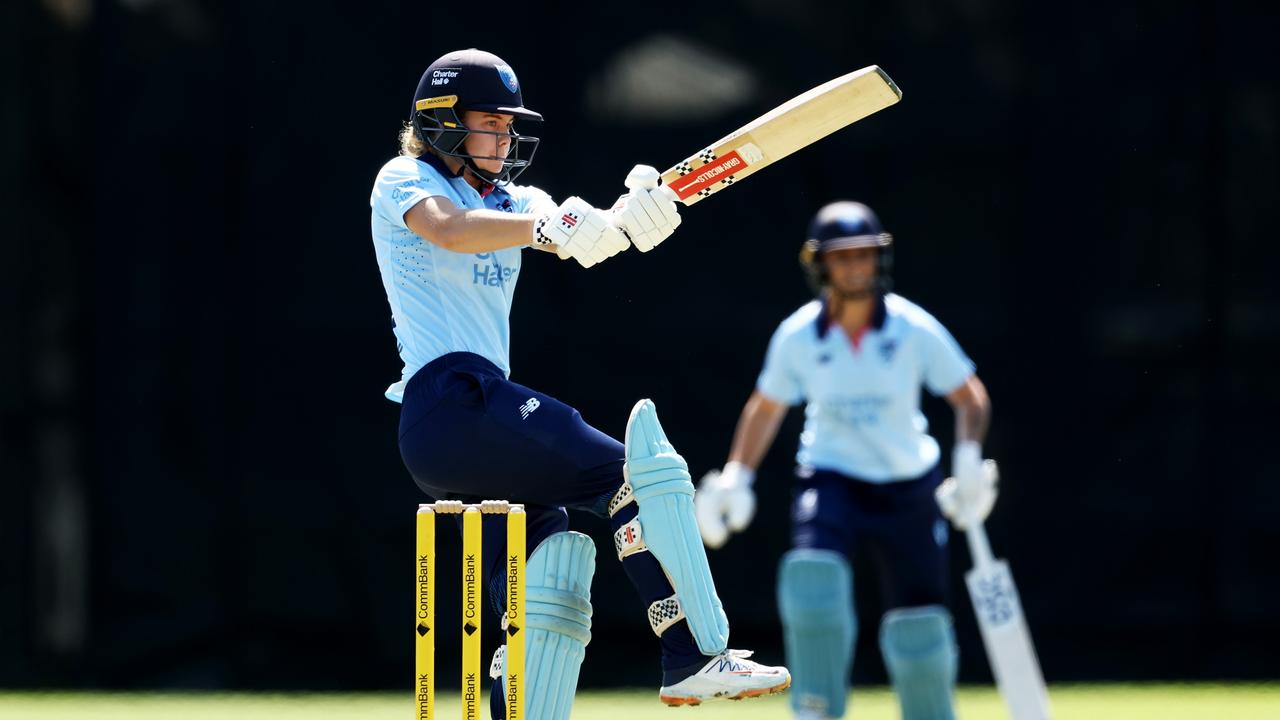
[(579, 231), (648, 213), (724, 503), (967, 497)]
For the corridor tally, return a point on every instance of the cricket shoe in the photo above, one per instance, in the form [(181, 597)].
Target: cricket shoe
[(727, 676)]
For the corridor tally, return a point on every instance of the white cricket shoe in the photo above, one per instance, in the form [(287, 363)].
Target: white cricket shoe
[(727, 676)]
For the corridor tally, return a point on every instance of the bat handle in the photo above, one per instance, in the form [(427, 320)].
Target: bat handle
[(645, 177), (979, 546)]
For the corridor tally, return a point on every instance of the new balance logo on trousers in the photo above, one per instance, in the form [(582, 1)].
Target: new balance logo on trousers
[(530, 405)]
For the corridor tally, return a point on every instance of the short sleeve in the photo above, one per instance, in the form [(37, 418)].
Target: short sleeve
[(403, 183), (778, 379), (945, 364), (532, 200)]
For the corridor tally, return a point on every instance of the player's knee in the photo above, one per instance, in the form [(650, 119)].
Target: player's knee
[(558, 619), (812, 585), (920, 654), (558, 586), (919, 641)]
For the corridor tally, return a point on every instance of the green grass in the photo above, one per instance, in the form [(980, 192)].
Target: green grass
[(1086, 702)]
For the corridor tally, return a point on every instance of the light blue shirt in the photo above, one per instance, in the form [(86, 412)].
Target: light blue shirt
[(862, 412), (443, 301)]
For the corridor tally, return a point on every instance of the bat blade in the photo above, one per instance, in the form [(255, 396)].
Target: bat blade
[(1007, 640), (799, 122)]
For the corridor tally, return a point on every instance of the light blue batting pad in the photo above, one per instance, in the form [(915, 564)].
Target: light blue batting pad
[(558, 620), (919, 648), (663, 490), (815, 600)]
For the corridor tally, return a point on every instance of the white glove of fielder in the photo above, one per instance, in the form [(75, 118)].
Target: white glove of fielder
[(648, 213), (724, 503), (967, 497), (579, 231)]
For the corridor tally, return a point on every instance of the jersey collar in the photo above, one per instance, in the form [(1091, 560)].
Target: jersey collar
[(434, 161)]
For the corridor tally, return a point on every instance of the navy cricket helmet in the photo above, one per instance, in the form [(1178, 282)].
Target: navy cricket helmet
[(842, 225), (471, 80)]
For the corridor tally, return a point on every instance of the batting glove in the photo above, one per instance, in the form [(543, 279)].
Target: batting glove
[(724, 503), (967, 497), (648, 213), (579, 231)]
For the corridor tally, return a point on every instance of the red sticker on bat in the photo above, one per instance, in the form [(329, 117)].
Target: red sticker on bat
[(707, 175)]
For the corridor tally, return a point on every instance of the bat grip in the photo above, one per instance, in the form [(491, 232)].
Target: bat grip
[(979, 546)]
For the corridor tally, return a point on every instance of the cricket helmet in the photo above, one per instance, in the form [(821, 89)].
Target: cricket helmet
[(471, 80), (842, 225)]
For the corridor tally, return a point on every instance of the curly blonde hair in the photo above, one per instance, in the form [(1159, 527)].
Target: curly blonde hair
[(410, 144)]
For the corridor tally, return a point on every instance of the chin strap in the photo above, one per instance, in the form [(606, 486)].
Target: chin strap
[(490, 179)]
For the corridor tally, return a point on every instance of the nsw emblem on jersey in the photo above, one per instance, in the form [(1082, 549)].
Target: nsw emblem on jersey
[(508, 77), (887, 349)]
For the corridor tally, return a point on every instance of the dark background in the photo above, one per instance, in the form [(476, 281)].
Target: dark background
[(201, 486)]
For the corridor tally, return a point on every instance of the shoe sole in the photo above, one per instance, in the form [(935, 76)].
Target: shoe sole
[(675, 701)]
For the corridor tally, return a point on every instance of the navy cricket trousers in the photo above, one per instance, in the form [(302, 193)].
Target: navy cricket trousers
[(467, 433), (897, 524), (466, 430)]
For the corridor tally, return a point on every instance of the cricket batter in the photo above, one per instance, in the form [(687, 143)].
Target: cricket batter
[(867, 471), (450, 227)]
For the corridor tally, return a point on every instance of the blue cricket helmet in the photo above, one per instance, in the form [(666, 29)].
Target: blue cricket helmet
[(842, 225), (470, 80)]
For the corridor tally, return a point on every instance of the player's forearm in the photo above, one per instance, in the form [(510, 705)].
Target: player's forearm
[(972, 422), (972, 407), (757, 428), (973, 417), (479, 231)]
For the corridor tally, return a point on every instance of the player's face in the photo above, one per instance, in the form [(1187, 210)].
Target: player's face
[(852, 271), (488, 150)]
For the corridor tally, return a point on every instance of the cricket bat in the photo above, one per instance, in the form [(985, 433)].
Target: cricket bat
[(1004, 631), (799, 122)]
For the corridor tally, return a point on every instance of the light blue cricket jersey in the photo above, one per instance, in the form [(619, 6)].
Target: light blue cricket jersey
[(443, 301), (862, 417)]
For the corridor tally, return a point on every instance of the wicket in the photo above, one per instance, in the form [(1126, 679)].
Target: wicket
[(513, 621)]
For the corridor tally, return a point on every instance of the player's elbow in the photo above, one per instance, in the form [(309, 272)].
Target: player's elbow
[(974, 406), (981, 399), (448, 234), (446, 238), (762, 406), (439, 226)]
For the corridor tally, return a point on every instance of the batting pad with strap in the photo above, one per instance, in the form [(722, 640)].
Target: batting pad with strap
[(663, 489), (558, 620), (919, 648), (664, 613), (621, 499), (629, 539), (815, 600)]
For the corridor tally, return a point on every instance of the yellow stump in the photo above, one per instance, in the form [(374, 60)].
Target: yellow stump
[(425, 616), (515, 613), (472, 609)]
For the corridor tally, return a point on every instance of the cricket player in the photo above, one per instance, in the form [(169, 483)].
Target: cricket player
[(450, 228), (867, 471)]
